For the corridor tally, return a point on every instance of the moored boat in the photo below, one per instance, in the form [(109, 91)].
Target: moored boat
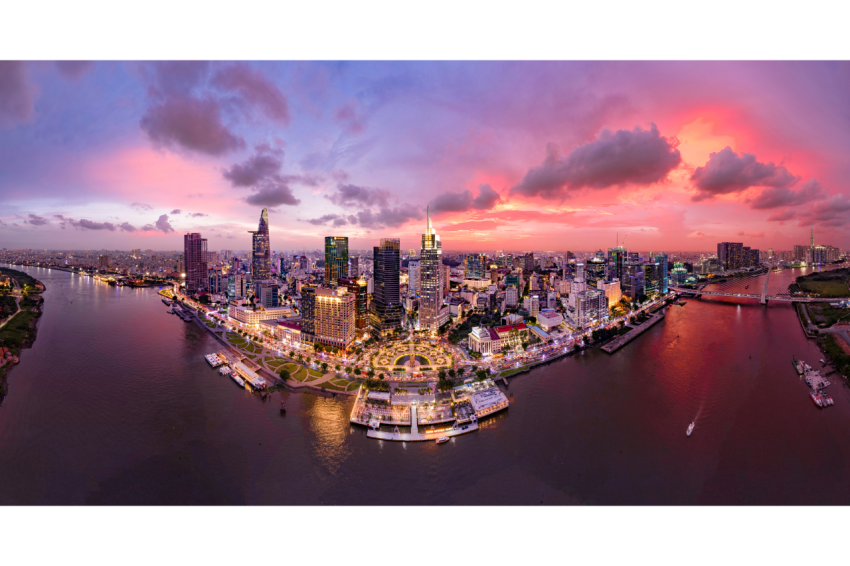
[(442, 439), (816, 399), (237, 379)]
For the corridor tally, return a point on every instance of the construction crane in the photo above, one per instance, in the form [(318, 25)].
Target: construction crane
[(623, 245)]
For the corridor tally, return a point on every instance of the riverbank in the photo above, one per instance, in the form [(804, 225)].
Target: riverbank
[(19, 331)]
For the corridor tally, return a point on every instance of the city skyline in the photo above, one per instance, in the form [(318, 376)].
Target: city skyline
[(674, 154)]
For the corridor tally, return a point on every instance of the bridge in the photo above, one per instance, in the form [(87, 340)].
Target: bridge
[(737, 286)]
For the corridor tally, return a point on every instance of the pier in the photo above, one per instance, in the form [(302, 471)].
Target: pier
[(636, 331)]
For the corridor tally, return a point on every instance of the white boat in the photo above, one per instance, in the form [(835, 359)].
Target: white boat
[(442, 439), (691, 428), (237, 379)]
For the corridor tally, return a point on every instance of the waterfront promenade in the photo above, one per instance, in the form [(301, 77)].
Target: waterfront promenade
[(636, 331)]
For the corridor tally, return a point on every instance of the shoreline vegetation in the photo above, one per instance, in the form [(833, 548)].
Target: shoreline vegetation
[(19, 330)]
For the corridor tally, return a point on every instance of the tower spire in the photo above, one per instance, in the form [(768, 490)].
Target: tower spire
[(812, 237), (428, 219)]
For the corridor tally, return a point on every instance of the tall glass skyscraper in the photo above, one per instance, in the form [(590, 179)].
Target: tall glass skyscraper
[(336, 259), (430, 271), (386, 309), (261, 255)]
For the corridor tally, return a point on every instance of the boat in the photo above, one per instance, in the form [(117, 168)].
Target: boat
[(237, 379), (816, 399), (691, 428), (442, 439), (798, 366)]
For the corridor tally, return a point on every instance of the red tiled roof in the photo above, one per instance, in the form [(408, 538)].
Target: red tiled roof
[(506, 329)]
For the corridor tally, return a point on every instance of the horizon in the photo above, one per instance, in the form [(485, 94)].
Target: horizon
[(695, 153)]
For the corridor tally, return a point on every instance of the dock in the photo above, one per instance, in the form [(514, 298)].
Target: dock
[(636, 331), (415, 436)]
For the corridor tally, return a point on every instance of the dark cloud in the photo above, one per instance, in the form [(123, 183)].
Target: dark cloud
[(190, 122), (387, 217), (776, 197), (36, 220), (636, 157), (127, 227), (91, 225), (198, 214), (74, 70), (782, 216), (141, 207), (727, 172), (348, 195), (176, 211), (831, 213), (265, 164), (273, 194), (255, 88), (17, 94), (162, 224), (461, 202)]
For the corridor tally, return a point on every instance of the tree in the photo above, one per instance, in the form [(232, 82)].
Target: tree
[(460, 371), (381, 376), (452, 373), (292, 353), (441, 374), (357, 371), (481, 374), (337, 367), (300, 357), (284, 375), (371, 373), (324, 366), (348, 369)]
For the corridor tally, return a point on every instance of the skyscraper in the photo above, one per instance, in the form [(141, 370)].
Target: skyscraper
[(354, 270), (261, 258), (616, 257), (357, 287), (430, 288), (195, 261), (386, 308), (336, 259), (661, 260), (731, 255)]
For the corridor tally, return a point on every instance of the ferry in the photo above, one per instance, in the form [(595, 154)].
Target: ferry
[(798, 366), (237, 379), (442, 439), (691, 428)]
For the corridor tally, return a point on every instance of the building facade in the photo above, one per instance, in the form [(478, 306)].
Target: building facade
[(336, 259), (195, 261), (385, 311), (261, 255), (431, 288)]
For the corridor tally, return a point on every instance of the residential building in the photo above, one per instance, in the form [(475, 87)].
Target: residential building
[(532, 305), (612, 290), (591, 307), (195, 258), (511, 296), (730, 255), (475, 265)]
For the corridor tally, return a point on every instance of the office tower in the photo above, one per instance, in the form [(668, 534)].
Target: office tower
[(431, 291), (651, 278), (328, 316), (591, 307), (730, 255), (195, 259), (354, 269), (304, 262), (414, 272), (358, 288), (616, 258), (267, 293), (386, 309), (475, 265), (595, 269), (611, 289), (261, 261), (336, 259), (661, 260), (282, 270), (633, 280), (104, 261), (216, 280), (528, 262)]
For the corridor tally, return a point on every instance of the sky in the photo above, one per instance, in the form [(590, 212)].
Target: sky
[(513, 156)]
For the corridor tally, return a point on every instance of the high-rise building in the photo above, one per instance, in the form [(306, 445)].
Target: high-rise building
[(282, 270), (354, 269), (446, 279), (651, 279), (595, 270), (104, 261), (431, 289), (261, 259), (661, 260), (328, 316), (137, 253), (511, 296), (532, 305), (386, 309), (359, 289), (611, 289), (336, 259), (267, 293), (475, 265), (730, 255), (414, 271), (591, 307), (237, 286), (195, 260), (633, 282), (528, 262)]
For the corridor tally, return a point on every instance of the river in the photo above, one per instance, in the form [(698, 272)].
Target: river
[(115, 404)]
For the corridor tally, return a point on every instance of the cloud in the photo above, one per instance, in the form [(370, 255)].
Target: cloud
[(17, 94), (751, 234), (190, 122), (197, 214), (264, 164), (127, 227), (625, 157), (255, 88), (162, 224), (727, 172), (833, 212), (386, 217), (352, 195), (176, 211), (74, 70), (36, 220), (775, 197), (84, 224), (347, 115), (273, 194), (461, 202), (141, 207), (781, 216)]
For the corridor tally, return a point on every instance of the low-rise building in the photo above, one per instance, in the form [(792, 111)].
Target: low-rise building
[(254, 315), (549, 319)]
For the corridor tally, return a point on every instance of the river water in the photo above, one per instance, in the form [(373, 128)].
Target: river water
[(115, 404)]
